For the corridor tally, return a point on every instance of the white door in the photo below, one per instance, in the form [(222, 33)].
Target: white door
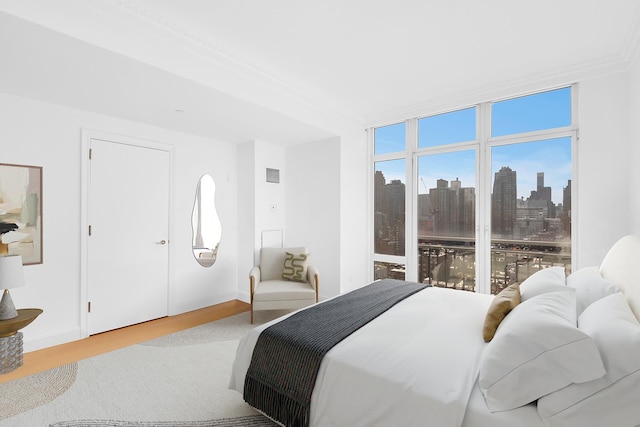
[(127, 251)]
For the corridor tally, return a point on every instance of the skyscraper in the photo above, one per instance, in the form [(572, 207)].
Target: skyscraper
[(504, 203), (453, 209), (566, 210), (389, 219), (541, 192)]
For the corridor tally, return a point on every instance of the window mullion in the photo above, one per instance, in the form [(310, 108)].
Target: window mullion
[(483, 213), (370, 203), (411, 224)]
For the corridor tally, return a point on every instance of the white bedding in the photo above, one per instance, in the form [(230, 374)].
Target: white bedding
[(478, 415), (419, 363), (425, 371)]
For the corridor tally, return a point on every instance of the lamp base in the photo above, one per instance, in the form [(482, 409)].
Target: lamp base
[(7, 309)]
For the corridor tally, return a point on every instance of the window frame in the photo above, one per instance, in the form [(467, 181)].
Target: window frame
[(483, 145)]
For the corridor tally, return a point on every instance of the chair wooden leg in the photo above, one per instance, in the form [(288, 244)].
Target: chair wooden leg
[(251, 290)]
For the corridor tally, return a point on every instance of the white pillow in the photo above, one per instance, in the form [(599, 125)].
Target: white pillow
[(551, 279), (616, 332), (616, 405), (590, 286), (537, 350)]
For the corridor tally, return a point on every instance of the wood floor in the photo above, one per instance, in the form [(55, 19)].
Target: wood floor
[(42, 360)]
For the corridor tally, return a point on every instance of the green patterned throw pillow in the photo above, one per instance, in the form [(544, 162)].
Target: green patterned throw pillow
[(295, 267)]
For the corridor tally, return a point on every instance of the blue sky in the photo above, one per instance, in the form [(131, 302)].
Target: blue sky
[(536, 112)]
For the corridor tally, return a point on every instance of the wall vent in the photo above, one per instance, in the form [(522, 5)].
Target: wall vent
[(273, 175)]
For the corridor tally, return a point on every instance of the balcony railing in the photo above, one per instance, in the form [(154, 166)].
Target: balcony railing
[(450, 262)]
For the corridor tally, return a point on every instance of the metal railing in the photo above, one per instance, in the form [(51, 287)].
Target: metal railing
[(450, 262)]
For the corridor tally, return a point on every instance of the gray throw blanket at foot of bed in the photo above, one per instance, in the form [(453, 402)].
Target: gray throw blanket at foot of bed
[(287, 355)]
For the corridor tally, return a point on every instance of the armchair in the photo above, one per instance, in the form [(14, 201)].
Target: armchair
[(270, 291)]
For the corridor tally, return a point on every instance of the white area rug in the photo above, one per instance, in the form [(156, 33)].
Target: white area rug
[(181, 379)]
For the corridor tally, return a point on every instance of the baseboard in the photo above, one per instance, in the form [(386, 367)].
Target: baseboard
[(244, 296), (38, 343), (199, 303)]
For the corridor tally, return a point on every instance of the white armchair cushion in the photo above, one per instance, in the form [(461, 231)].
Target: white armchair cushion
[(275, 290)]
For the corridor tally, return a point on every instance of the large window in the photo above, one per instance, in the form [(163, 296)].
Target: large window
[(389, 201), (447, 218), (476, 198), (448, 128)]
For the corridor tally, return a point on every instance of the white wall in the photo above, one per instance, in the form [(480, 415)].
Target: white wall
[(320, 204), (354, 211), (313, 208), (195, 286), (604, 164), (270, 199), (47, 135), (262, 205), (246, 216), (634, 142)]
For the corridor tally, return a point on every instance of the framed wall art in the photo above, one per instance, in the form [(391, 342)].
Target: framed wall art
[(21, 212)]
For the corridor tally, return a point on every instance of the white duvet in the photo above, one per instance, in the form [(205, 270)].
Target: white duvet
[(414, 365)]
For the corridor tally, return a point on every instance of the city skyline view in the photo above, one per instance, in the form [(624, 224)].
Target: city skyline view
[(523, 114), (525, 172), (394, 207), (552, 156), (527, 233)]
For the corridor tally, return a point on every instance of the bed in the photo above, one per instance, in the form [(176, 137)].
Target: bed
[(562, 351)]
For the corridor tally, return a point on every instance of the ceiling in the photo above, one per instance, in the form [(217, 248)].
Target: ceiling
[(292, 71)]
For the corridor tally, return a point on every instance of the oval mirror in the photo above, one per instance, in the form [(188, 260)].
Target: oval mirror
[(205, 224)]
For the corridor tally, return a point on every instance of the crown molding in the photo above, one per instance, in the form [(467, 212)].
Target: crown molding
[(221, 50), (543, 80), (254, 82), (534, 81), (228, 57)]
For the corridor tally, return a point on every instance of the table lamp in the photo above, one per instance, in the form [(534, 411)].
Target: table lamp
[(11, 276)]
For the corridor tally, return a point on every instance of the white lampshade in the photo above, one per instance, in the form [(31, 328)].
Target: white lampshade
[(11, 272), (11, 276)]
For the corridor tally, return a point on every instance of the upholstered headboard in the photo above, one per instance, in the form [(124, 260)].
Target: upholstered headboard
[(621, 265)]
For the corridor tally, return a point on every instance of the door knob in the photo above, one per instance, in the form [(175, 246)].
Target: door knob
[(162, 242)]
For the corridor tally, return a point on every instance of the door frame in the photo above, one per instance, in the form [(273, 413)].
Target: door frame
[(87, 136)]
